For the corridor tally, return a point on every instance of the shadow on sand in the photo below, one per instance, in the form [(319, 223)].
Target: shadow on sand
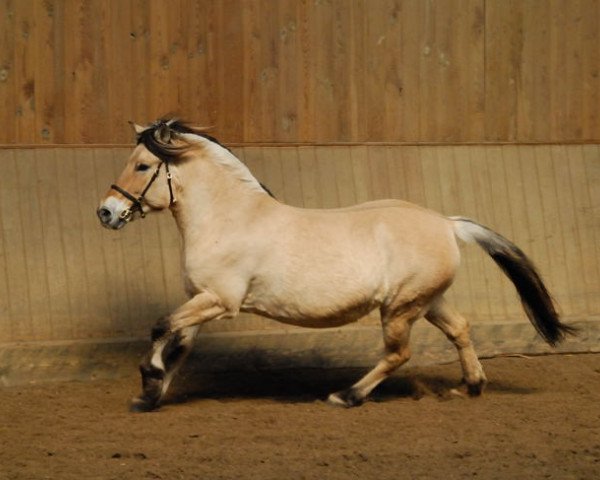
[(301, 384)]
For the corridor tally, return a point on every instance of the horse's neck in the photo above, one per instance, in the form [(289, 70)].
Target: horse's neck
[(214, 199)]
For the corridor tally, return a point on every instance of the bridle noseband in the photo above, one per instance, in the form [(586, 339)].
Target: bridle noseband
[(137, 203)]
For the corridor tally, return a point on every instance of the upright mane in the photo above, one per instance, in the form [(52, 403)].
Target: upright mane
[(159, 138)]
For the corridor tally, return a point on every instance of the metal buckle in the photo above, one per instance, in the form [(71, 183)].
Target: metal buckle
[(126, 215)]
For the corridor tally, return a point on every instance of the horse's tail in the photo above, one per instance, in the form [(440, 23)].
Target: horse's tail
[(536, 300)]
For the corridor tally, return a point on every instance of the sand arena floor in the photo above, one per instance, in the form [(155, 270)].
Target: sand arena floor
[(539, 419)]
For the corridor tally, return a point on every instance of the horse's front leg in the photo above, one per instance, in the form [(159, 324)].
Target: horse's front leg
[(172, 339)]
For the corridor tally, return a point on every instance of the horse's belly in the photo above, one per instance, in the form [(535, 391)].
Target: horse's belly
[(307, 306)]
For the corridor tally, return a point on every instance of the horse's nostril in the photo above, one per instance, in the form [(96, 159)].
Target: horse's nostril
[(104, 214)]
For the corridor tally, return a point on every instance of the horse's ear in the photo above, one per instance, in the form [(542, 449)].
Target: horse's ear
[(163, 133), (138, 129)]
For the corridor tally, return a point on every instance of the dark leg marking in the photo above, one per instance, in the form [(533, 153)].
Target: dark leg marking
[(152, 381), (160, 329), (173, 351), (153, 377)]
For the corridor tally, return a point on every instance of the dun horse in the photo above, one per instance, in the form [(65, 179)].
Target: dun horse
[(243, 251)]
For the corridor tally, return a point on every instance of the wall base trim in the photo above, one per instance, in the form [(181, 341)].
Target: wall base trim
[(355, 346)]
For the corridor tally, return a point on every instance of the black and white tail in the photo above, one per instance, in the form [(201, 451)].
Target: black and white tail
[(536, 300)]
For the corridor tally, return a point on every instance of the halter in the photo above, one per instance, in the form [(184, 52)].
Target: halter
[(136, 203)]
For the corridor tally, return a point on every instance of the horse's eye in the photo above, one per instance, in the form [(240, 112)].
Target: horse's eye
[(141, 167)]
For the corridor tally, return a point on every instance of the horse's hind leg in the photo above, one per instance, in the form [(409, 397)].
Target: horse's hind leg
[(396, 335), (161, 363), (456, 328)]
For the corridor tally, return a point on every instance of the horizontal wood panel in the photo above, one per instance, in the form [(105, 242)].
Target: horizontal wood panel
[(302, 71), (65, 278)]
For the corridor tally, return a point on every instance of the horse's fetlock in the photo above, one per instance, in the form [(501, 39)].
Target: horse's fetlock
[(149, 371)]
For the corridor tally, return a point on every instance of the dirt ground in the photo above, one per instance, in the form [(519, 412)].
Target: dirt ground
[(539, 419)]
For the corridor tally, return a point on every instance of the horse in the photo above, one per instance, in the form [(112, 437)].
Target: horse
[(244, 251)]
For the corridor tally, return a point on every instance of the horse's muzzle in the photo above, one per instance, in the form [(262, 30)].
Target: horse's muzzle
[(110, 219)]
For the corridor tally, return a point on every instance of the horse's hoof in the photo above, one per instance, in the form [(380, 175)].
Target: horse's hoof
[(346, 398), (141, 405), (476, 389)]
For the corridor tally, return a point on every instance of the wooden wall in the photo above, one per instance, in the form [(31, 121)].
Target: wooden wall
[(63, 277), (314, 71)]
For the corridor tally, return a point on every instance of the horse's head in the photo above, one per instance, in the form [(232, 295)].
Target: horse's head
[(146, 183)]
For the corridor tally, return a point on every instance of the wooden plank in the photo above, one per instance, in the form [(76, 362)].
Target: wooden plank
[(568, 221), (288, 54), (341, 73), (18, 299), (375, 70), (121, 36), (309, 177), (68, 205), (56, 275), (24, 72), (326, 179), (380, 175), (413, 174), (344, 177), (322, 38), (358, 54), (584, 226), (269, 73), (290, 172), (230, 57), (6, 326), (590, 77), (504, 37), (306, 66), (471, 60), (591, 161), (8, 95), (534, 108), (252, 105), (411, 46), (46, 26), (38, 326), (363, 186), (398, 186)]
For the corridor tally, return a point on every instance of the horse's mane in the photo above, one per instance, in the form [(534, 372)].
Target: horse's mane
[(159, 138)]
